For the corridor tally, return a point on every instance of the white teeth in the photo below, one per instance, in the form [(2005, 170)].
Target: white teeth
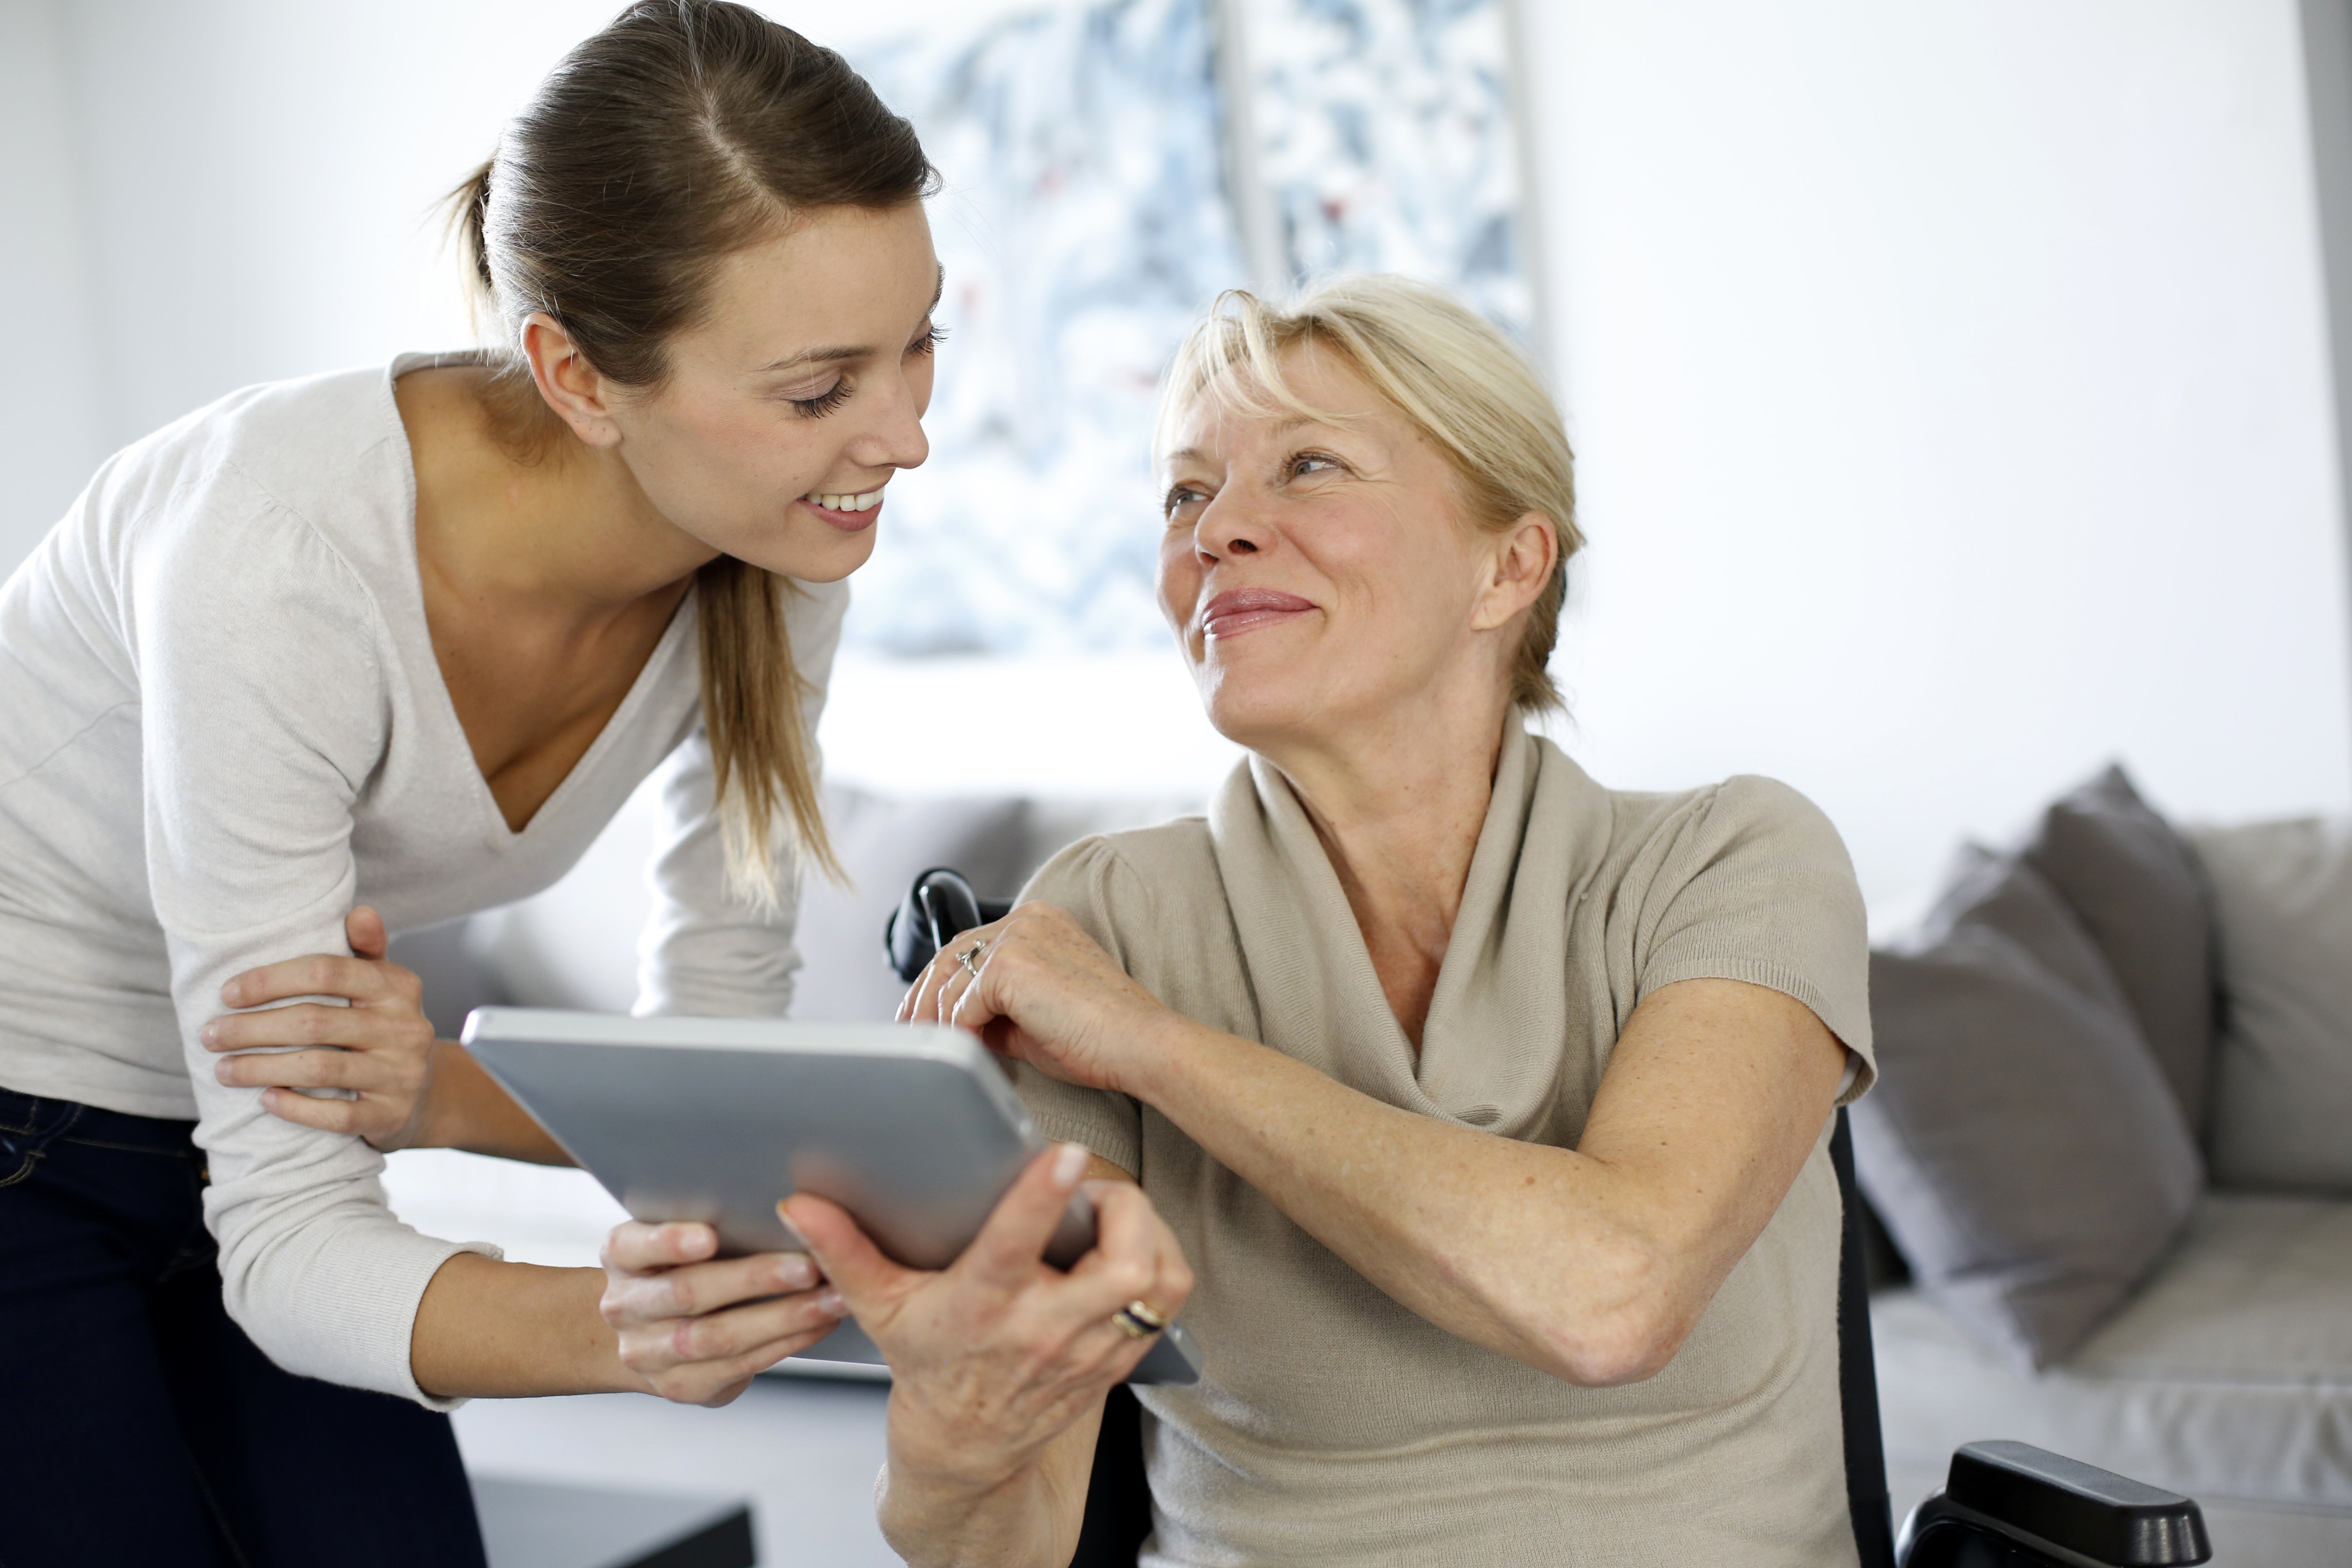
[(866, 502)]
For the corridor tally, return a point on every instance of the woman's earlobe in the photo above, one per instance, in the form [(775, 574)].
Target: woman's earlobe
[(568, 384), (1523, 565), (1534, 553)]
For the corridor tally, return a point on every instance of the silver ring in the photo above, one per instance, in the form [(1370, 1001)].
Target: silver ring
[(1137, 1320), (967, 955)]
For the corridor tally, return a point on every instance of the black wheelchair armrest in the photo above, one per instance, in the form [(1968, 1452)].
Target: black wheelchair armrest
[(936, 908), (2011, 1505)]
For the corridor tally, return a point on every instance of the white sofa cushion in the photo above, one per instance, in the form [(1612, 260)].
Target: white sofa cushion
[(2282, 1115), (2227, 1378)]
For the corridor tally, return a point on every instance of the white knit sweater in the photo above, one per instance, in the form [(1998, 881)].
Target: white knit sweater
[(221, 726)]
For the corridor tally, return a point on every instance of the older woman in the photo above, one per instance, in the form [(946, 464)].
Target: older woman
[(1490, 1106)]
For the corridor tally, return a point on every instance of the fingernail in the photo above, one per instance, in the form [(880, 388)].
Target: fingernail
[(796, 1273), (1070, 1164), (210, 1034), (831, 1300)]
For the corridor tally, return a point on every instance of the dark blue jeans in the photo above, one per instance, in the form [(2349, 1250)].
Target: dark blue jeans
[(138, 1425)]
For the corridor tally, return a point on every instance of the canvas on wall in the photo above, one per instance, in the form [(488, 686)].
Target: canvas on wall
[(1107, 169)]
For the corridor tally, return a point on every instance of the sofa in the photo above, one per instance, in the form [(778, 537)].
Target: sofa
[(2110, 1164)]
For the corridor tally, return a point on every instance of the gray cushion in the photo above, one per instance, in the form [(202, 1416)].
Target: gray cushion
[(884, 844), (2135, 886), (2283, 1080), (2021, 1143)]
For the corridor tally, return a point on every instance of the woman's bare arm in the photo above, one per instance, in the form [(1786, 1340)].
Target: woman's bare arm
[(939, 1515), (1591, 1264), (466, 1108), (665, 1315)]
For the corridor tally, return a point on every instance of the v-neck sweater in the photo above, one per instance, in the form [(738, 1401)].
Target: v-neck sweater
[(1332, 1424), (222, 725)]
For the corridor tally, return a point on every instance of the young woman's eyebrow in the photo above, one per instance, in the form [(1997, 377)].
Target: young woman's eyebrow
[(834, 355)]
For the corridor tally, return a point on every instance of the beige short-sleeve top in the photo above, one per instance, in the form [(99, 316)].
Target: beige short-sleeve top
[(1334, 1426)]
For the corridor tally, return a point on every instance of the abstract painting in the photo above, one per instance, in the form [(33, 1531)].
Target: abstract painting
[(1107, 168)]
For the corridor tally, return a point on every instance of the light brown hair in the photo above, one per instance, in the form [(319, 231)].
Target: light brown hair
[(684, 131), (1454, 377)]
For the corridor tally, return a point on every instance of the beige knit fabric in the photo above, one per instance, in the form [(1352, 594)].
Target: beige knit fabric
[(1335, 1427)]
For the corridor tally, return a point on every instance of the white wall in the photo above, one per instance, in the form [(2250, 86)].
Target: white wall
[(1948, 379), (265, 175), (1950, 382), (50, 429)]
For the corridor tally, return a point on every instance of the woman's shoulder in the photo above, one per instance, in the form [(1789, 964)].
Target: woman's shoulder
[(1132, 868), (1744, 810), (1150, 896), (1744, 879), (266, 472), (1744, 840), (298, 436)]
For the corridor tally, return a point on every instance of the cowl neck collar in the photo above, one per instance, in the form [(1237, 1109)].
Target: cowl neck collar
[(1491, 1050)]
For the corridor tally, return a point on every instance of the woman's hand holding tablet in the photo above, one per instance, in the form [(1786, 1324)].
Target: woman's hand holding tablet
[(698, 1328), (1002, 1358)]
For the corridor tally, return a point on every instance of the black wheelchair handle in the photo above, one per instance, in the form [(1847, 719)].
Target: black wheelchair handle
[(2011, 1504), (940, 904)]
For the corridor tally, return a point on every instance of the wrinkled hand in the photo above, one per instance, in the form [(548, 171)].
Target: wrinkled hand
[(997, 1355), (699, 1329), (1046, 992), (380, 1048)]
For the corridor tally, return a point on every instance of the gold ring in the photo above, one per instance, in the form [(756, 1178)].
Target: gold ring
[(1137, 1320), (967, 955)]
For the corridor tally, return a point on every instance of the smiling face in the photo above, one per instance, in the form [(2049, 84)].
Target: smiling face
[(1323, 578), (796, 397)]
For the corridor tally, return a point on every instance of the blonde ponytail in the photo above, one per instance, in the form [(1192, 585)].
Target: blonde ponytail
[(763, 757)]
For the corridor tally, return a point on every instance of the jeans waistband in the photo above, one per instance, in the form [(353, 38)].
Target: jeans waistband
[(31, 1114)]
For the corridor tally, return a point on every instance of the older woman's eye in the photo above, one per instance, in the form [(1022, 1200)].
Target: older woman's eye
[(1178, 498), (1304, 463)]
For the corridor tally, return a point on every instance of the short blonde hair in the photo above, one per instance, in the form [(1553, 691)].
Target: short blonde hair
[(1458, 381)]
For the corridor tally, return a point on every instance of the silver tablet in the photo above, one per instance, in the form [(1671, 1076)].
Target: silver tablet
[(911, 1128)]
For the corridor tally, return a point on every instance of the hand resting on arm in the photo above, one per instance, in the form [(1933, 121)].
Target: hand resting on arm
[(408, 1090), (1591, 1264)]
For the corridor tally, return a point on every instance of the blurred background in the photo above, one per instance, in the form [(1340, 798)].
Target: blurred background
[(1951, 382), (1957, 387)]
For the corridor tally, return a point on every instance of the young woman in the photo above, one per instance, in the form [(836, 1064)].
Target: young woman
[(406, 639)]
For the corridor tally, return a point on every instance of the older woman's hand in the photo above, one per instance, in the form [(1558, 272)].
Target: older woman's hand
[(698, 1328), (1001, 1354), (1036, 986)]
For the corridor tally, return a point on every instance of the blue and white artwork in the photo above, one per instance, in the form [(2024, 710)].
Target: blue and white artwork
[(1381, 134), (1100, 187), (1082, 225)]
